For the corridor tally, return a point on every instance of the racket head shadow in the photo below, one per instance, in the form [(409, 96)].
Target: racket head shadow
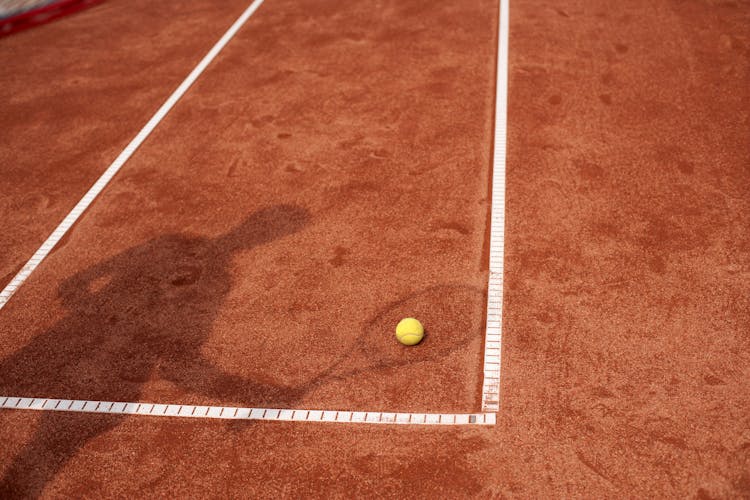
[(453, 317)]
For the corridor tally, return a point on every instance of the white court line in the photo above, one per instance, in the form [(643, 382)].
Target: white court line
[(492, 341), (491, 385), (99, 185), (236, 413)]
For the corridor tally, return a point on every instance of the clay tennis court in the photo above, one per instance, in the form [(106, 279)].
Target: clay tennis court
[(214, 215)]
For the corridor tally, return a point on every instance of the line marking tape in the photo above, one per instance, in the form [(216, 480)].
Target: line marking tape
[(100, 184), (235, 413), (493, 335), (491, 384)]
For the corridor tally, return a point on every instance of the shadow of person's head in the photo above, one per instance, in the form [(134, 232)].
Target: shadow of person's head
[(263, 226)]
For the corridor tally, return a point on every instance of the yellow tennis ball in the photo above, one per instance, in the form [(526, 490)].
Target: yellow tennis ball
[(409, 331)]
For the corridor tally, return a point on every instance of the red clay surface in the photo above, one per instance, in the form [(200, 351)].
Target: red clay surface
[(328, 175), (75, 92)]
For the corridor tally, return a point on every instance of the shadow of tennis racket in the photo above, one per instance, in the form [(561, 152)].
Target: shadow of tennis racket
[(453, 318)]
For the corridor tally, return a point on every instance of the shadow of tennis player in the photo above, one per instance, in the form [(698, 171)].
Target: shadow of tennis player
[(144, 313)]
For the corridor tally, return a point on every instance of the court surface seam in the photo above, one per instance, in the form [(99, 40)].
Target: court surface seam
[(238, 413), (122, 158), (493, 335)]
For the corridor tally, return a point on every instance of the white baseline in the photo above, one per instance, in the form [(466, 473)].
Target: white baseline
[(236, 413)]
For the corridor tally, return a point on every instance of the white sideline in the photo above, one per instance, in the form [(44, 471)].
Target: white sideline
[(493, 335), (235, 413), (101, 183), (491, 383)]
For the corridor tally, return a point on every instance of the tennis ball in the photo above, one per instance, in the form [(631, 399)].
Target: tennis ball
[(409, 331)]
